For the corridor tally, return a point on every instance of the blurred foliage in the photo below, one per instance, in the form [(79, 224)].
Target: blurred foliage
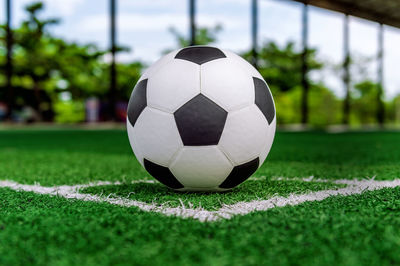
[(204, 35), (47, 67), (364, 102), (393, 110), (324, 106), (281, 68), (69, 111)]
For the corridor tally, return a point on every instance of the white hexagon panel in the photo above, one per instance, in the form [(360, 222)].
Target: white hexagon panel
[(199, 168), (133, 142), (243, 64), (157, 65), (244, 134), (225, 82), (173, 85), (268, 142), (155, 131)]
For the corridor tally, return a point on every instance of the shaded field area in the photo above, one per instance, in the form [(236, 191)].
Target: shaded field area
[(56, 157)]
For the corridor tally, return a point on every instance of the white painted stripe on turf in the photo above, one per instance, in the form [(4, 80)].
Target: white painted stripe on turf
[(225, 212)]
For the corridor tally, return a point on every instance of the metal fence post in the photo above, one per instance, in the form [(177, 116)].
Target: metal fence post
[(113, 72), (9, 62), (254, 32), (380, 115), (192, 14), (346, 68), (304, 67)]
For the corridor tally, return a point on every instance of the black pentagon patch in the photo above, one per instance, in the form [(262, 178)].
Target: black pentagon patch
[(200, 54), (162, 174), (137, 102), (240, 173), (264, 99), (200, 121)]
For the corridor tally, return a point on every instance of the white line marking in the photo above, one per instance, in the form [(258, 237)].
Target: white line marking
[(225, 212)]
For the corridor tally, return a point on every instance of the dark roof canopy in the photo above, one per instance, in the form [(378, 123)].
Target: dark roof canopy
[(381, 11)]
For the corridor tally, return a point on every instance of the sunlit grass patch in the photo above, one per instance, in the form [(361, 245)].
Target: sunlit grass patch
[(60, 157)]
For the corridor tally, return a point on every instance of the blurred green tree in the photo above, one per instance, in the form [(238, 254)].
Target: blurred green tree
[(48, 68), (393, 110), (281, 68), (364, 103), (204, 35), (33, 61)]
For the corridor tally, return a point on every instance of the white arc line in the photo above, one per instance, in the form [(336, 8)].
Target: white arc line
[(226, 212)]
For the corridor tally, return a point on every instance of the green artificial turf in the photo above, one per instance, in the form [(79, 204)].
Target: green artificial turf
[(340, 156), (77, 156), (44, 230), (251, 190), (357, 230), (67, 156)]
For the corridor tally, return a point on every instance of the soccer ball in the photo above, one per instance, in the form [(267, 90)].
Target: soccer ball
[(201, 119)]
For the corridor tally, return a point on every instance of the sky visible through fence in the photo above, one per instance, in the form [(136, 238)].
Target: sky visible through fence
[(143, 27)]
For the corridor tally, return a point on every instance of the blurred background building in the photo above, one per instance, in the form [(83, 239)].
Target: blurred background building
[(327, 62)]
